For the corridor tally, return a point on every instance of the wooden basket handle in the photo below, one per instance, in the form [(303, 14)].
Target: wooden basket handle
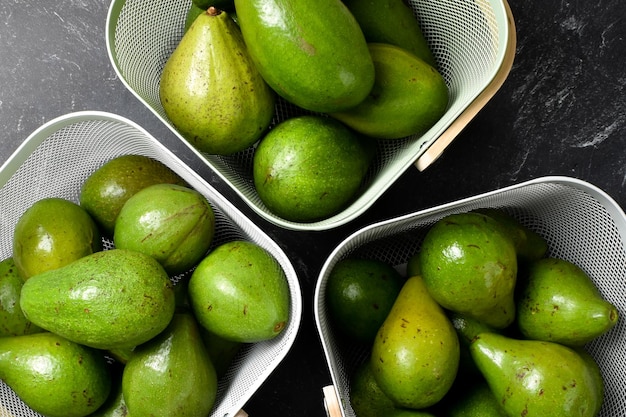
[(435, 150)]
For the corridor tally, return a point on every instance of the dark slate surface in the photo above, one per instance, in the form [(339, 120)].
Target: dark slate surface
[(562, 111)]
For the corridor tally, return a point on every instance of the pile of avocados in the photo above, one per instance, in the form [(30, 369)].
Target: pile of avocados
[(125, 304), (359, 71), (484, 323)]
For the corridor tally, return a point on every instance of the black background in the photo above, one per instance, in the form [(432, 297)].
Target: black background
[(562, 111)]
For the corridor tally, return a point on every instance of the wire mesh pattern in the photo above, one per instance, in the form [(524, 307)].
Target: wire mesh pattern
[(56, 159), (580, 223), (467, 37)]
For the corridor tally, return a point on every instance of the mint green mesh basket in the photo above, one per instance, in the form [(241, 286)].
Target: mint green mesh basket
[(581, 224), (56, 159), (472, 40)]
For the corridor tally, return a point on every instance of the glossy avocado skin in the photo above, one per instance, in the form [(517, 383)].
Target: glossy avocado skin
[(416, 353), (54, 376), (52, 233), (172, 374), (108, 300), (313, 54)]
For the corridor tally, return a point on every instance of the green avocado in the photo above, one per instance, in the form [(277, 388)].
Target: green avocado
[(52, 233), (559, 302), (239, 292), (310, 167), (312, 53), (415, 355), (172, 374), (537, 378), (54, 376), (108, 300), (359, 295), (173, 224), (469, 265)]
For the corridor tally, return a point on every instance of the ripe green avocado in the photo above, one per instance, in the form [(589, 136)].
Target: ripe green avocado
[(52, 233), (173, 224), (310, 167), (53, 376), (469, 265), (108, 300), (312, 53), (240, 293)]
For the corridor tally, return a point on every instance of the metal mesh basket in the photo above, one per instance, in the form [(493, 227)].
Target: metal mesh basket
[(472, 40), (580, 223), (57, 158)]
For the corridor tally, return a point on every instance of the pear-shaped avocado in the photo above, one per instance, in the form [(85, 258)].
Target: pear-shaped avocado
[(106, 190), (53, 376), (415, 355), (12, 319), (559, 302), (310, 167), (172, 374), (240, 292), (408, 97), (211, 90), (537, 378), (359, 295), (51, 233), (392, 22), (312, 53), (173, 224), (469, 266), (108, 300)]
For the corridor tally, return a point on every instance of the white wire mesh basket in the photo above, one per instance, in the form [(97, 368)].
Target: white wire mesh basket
[(581, 224), (473, 42), (56, 159)]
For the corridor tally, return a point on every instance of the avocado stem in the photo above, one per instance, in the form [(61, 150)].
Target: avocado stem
[(213, 11)]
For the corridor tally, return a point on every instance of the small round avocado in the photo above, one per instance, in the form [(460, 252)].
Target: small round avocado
[(239, 292), (52, 233), (309, 168), (359, 294), (106, 190)]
